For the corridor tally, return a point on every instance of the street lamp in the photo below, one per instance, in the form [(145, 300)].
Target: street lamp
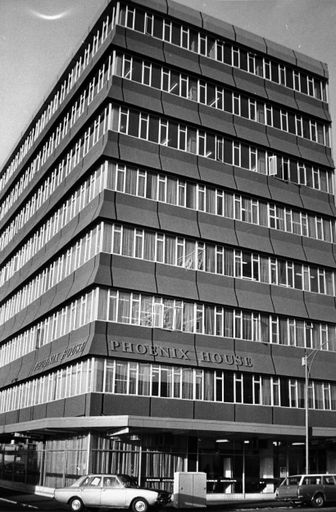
[(307, 367), (305, 364)]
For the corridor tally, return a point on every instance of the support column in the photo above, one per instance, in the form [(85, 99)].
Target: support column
[(267, 465)]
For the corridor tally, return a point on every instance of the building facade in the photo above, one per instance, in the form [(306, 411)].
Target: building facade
[(168, 260)]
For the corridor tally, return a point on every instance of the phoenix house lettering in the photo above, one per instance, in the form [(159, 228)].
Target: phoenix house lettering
[(60, 356), (179, 353), (151, 350)]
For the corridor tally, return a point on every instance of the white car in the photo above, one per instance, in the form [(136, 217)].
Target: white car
[(110, 491)]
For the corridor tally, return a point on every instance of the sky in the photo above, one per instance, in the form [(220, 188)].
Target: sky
[(38, 38)]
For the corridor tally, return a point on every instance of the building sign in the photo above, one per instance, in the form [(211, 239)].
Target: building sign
[(60, 357), (178, 353)]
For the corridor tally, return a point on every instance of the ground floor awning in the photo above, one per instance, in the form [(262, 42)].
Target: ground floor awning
[(129, 424)]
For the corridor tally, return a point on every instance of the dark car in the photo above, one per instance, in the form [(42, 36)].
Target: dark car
[(308, 489)]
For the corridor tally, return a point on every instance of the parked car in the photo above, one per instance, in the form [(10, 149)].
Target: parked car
[(110, 491), (312, 489)]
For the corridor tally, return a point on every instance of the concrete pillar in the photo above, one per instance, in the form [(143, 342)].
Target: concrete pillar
[(267, 465), (331, 461)]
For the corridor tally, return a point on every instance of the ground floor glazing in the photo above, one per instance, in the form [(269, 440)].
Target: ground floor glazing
[(233, 464)]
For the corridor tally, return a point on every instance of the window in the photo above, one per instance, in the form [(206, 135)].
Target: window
[(235, 57)]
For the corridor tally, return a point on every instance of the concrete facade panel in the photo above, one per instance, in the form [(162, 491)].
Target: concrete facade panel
[(251, 183), (246, 38), (142, 152), (104, 267), (319, 252), (94, 404), (316, 201), (74, 406), (318, 418), (132, 274), (9, 372), (126, 341), (136, 210), (278, 94), (160, 5), (111, 148), (286, 245), (320, 307), (284, 192), (283, 142), (287, 360), (288, 416), (176, 282), (114, 405), (181, 58), (216, 120), (255, 294), (180, 163), (39, 412), (171, 347), (9, 418), (216, 289), (144, 45), (216, 71), (251, 132), (257, 353), (217, 229), (258, 414), (222, 28), (280, 52), (181, 12), (249, 83), (253, 237), (55, 409), (161, 408), (179, 220), (312, 65), (322, 362), (216, 173), (222, 412), (176, 107), (311, 106), (142, 96), (313, 152), (215, 352), (288, 302)]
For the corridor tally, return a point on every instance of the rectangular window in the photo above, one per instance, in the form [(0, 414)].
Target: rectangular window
[(267, 69), (235, 57), (284, 120), (236, 104), (282, 74), (252, 106)]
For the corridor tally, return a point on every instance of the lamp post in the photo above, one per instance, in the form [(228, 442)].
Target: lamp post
[(305, 364), (307, 367)]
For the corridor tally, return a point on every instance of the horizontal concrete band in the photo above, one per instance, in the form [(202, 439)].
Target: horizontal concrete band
[(119, 425)]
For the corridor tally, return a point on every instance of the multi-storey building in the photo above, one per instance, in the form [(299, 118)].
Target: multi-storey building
[(167, 260)]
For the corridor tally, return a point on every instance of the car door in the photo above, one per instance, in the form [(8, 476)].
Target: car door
[(329, 485), (113, 493), (91, 491)]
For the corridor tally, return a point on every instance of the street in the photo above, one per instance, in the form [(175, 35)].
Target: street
[(11, 501)]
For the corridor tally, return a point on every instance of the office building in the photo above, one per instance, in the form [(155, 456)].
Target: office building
[(168, 260)]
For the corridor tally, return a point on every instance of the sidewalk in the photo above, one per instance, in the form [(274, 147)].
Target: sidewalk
[(46, 503)]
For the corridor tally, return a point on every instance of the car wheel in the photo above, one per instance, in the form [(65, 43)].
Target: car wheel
[(76, 505), (318, 500), (139, 505)]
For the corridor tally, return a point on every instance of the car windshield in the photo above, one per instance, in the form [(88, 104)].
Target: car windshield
[(128, 481)]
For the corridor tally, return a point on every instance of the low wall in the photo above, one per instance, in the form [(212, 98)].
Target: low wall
[(29, 489)]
